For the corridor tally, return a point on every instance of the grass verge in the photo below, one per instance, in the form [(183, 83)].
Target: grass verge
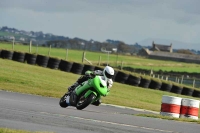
[(6, 130), (169, 118), (32, 79)]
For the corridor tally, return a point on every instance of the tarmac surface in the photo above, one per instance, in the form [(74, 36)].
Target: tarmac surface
[(37, 113)]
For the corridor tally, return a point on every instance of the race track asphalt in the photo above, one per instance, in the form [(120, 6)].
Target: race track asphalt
[(37, 113)]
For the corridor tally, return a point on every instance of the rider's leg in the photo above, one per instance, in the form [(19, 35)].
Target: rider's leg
[(71, 88), (78, 82)]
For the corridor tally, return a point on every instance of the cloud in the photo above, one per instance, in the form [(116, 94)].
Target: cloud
[(126, 20), (182, 12)]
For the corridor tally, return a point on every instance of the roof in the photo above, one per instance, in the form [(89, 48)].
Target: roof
[(160, 47)]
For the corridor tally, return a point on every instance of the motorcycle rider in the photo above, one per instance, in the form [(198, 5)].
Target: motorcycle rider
[(107, 73)]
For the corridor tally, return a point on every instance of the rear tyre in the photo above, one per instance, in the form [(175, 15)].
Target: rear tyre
[(84, 102)]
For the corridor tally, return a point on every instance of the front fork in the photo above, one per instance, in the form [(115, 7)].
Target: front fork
[(89, 92)]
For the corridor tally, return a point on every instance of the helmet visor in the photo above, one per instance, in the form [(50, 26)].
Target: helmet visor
[(108, 75)]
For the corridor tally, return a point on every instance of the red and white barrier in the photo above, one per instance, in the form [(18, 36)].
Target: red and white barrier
[(179, 107), (189, 108), (171, 106)]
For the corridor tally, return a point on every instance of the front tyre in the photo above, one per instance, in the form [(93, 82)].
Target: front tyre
[(84, 102)]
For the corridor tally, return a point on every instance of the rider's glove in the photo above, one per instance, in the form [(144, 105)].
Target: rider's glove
[(109, 83), (92, 74)]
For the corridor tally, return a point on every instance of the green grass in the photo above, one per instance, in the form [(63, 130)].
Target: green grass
[(32, 79), (6, 130), (114, 60), (25, 78)]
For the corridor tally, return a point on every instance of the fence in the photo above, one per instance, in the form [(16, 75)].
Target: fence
[(79, 68), (181, 80)]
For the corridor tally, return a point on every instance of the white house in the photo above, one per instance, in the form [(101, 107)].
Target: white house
[(22, 39), (114, 50)]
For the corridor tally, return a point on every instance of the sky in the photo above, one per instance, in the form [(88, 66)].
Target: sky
[(130, 21)]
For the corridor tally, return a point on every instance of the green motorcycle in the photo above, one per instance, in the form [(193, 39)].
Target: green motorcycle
[(86, 93)]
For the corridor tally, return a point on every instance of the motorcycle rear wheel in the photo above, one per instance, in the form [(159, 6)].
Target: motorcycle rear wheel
[(84, 102)]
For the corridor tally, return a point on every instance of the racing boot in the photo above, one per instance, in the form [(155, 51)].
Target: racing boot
[(78, 82), (97, 103), (63, 99)]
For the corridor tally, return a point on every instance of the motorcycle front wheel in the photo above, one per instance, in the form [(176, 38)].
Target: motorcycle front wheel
[(84, 102)]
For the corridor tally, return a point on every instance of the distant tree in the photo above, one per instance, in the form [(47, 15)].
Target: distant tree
[(98, 46), (133, 49), (122, 47), (107, 46), (4, 28), (75, 44), (57, 43)]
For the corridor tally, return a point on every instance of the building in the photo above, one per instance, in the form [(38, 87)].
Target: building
[(165, 52), (160, 47), (22, 39)]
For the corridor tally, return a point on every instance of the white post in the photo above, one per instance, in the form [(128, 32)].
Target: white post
[(193, 83), (117, 60), (13, 44), (30, 46), (122, 65), (108, 58), (49, 50), (66, 55), (151, 72), (83, 57), (99, 61), (182, 80), (37, 49), (166, 78)]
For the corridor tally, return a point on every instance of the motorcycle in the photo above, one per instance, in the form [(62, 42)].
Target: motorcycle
[(86, 93)]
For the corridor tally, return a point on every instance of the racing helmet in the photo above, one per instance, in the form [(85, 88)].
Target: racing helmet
[(108, 72)]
